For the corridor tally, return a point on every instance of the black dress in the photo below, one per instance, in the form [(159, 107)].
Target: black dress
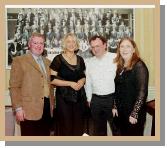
[(69, 115), (131, 89)]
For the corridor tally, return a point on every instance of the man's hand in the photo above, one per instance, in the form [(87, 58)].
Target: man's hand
[(88, 103), (114, 112), (20, 115)]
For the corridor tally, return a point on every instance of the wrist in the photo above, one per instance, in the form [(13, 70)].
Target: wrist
[(69, 83), (18, 109), (80, 83)]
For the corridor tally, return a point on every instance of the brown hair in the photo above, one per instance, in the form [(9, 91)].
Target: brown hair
[(103, 39), (135, 57)]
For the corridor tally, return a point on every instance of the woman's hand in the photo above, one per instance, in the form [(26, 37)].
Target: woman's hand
[(81, 83), (132, 120), (114, 112), (74, 85)]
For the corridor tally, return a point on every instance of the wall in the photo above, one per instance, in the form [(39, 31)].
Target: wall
[(144, 36)]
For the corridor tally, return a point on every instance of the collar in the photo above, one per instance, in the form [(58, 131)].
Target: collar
[(34, 56), (104, 55)]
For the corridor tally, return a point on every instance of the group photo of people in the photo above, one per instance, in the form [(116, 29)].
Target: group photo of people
[(54, 23), (76, 71)]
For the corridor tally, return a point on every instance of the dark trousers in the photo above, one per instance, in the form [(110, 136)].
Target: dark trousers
[(38, 127), (101, 110)]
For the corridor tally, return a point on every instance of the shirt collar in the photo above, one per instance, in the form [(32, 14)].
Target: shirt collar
[(34, 56), (103, 57)]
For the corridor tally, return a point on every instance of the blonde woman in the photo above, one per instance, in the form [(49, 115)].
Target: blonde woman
[(67, 74)]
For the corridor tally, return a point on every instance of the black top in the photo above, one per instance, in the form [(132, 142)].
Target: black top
[(67, 71), (131, 89)]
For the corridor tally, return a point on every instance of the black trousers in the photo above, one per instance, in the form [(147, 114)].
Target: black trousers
[(40, 127), (101, 110)]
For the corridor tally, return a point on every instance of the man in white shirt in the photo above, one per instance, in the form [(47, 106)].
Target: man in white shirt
[(100, 74)]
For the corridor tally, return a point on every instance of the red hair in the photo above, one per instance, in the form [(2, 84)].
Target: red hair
[(135, 57)]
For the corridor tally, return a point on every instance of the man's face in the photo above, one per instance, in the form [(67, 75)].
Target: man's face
[(36, 45), (98, 47)]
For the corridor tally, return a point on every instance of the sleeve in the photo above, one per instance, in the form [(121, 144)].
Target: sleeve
[(15, 83), (115, 98), (82, 63), (141, 76), (88, 84), (55, 64)]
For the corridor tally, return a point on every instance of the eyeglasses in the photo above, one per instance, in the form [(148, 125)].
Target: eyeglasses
[(38, 43)]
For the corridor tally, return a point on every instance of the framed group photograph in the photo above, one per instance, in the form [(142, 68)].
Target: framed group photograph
[(55, 22)]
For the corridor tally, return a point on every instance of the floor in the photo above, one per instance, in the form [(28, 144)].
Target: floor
[(12, 128), (9, 122)]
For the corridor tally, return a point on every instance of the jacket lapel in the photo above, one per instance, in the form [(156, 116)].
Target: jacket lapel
[(46, 66), (32, 61)]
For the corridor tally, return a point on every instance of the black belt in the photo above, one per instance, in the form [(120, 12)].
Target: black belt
[(46, 98), (103, 96)]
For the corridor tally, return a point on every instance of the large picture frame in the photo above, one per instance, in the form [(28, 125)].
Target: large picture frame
[(54, 22), (146, 33)]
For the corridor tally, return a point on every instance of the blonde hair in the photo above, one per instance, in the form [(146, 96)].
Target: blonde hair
[(36, 34), (65, 38)]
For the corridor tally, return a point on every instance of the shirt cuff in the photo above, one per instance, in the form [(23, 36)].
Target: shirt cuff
[(18, 109)]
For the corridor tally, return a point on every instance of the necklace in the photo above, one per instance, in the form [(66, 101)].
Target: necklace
[(70, 57), (122, 71)]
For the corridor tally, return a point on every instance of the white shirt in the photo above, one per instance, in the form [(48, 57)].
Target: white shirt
[(100, 75)]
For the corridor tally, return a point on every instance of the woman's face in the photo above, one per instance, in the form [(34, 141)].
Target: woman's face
[(70, 44), (126, 50)]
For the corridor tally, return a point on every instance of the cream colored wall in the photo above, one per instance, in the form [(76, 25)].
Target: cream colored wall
[(144, 37), (7, 79)]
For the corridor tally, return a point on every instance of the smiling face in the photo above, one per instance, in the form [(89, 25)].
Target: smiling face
[(36, 45), (98, 47), (126, 50), (70, 44)]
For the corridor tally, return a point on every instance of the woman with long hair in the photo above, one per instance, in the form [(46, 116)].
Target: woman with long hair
[(131, 89)]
